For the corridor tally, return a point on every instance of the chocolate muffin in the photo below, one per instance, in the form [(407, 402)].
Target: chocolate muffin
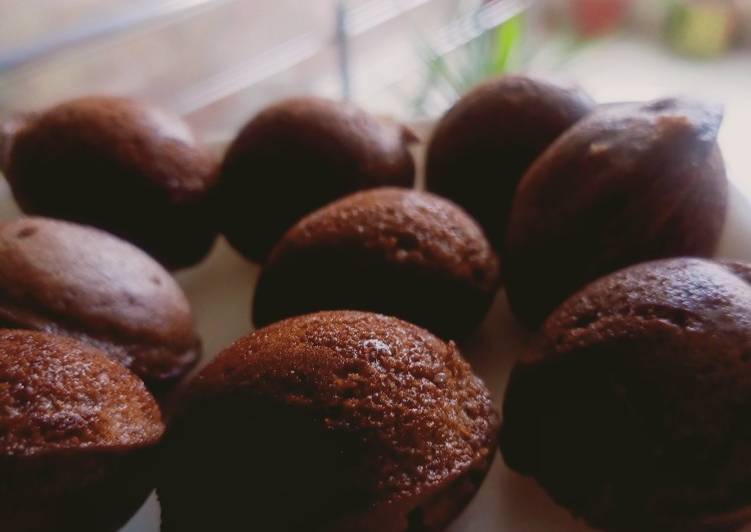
[(482, 146), (335, 421), (119, 165), (81, 282), (632, 412), (386, 250), (298, 155), (77, 436), (627, 184)]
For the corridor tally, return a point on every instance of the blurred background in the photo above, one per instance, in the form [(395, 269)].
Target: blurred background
[(218, 61)]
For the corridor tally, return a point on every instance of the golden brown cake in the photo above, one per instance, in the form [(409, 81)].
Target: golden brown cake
[(77, 436), (335, 421), (400, 252)]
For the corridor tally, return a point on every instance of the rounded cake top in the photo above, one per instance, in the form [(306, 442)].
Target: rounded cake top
[(507, 102), (421, 413), (630, 409), (57, 394), (118, 164), (620, 187), (683, 297), (62, 276), (407, 228), (336, 130), (137, 138)]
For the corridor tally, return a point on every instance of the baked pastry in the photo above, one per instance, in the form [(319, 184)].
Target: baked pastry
[(632, 410), (77, 436), (627, 184), (82, 282), (482, 146), (335, 421), (385, 250), (120, 165), (298, 155)]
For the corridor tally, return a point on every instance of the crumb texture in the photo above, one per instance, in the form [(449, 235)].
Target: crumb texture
[(385, 250), (421, 412), (58, 394)]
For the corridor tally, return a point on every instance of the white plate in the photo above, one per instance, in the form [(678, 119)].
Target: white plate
[(220, 290)]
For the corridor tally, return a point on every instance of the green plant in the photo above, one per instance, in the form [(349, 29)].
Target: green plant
[(450, 74)]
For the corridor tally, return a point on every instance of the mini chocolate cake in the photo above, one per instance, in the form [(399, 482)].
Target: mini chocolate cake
[(336, 421), (77, 436), (633, 410), (298, 155), (84, 283), (481, 148), (629, 183), (119, 165), (400, 252)]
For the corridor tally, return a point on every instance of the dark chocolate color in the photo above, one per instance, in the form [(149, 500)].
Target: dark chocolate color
[(119, 165), (77, 436), (481, 148), (400, 252), (627, 184), (298, 155), (82, 282), (336, 421), (633, 410)]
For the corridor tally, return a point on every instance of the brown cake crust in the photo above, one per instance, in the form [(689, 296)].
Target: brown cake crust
[(484, 144), (386, 250), (632, 411), (77, 432), (411, 427), (84, 283), (298, 155), (627, 184), (120, 165)]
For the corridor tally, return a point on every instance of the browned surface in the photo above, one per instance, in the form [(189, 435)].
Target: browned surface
[(339, 421), (627, 184), (298, 155), (482, 146), (633, 410), (400, 252), (76, 430), (87, 284), (119, 165)]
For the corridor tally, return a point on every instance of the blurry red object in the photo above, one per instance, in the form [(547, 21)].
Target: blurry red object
[(596, 17)]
